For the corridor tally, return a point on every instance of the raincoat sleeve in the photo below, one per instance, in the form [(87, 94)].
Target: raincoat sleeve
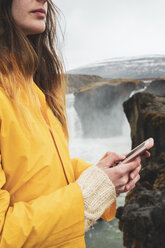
[(79, 166), (55, 218)]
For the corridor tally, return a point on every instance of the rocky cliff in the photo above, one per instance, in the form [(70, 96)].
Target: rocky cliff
[(99, 106), (76, 82), (142, 219), (157, 87), (146, 115)]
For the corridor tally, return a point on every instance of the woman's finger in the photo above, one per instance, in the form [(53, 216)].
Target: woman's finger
[(120, 190), (109, 159), (147, 154), (135, 172), (131, 166), (132, 183)]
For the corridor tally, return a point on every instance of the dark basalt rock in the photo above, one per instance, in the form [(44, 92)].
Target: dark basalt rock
[(146, 115), (142, 219)]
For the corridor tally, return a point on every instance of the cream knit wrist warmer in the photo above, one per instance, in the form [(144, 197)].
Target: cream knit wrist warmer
[(98, 193)]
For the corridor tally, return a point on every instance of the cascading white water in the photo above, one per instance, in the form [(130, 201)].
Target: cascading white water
[(103, 234), (146, 84), (74, 124)]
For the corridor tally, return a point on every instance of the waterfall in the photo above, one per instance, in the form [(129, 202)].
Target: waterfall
[(74, 124), (91, 150), (146, 84)]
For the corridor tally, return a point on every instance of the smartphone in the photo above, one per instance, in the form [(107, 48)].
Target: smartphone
[(139, 150)]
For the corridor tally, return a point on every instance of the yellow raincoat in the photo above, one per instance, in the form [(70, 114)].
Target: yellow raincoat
[(41, 205)]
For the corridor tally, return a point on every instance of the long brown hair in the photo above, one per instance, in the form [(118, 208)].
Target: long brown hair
[(34, 56)]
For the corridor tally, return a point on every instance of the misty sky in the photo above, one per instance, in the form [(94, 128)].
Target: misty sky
[(101, 29)]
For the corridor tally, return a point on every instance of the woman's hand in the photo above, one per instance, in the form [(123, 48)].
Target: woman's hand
[(135, 173), (123, 176)]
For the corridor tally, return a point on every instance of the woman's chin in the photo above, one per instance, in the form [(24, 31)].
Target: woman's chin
[(35, 30)]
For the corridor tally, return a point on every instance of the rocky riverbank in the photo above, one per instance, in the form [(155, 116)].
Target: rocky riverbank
[(142, 218)]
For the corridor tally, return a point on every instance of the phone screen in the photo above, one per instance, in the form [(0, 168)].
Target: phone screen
[(129, 154)]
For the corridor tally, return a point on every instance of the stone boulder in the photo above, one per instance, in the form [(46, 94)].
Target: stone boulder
[(142, 217), (146, 115)]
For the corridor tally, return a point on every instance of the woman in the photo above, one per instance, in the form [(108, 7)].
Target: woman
[(46, 199)]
